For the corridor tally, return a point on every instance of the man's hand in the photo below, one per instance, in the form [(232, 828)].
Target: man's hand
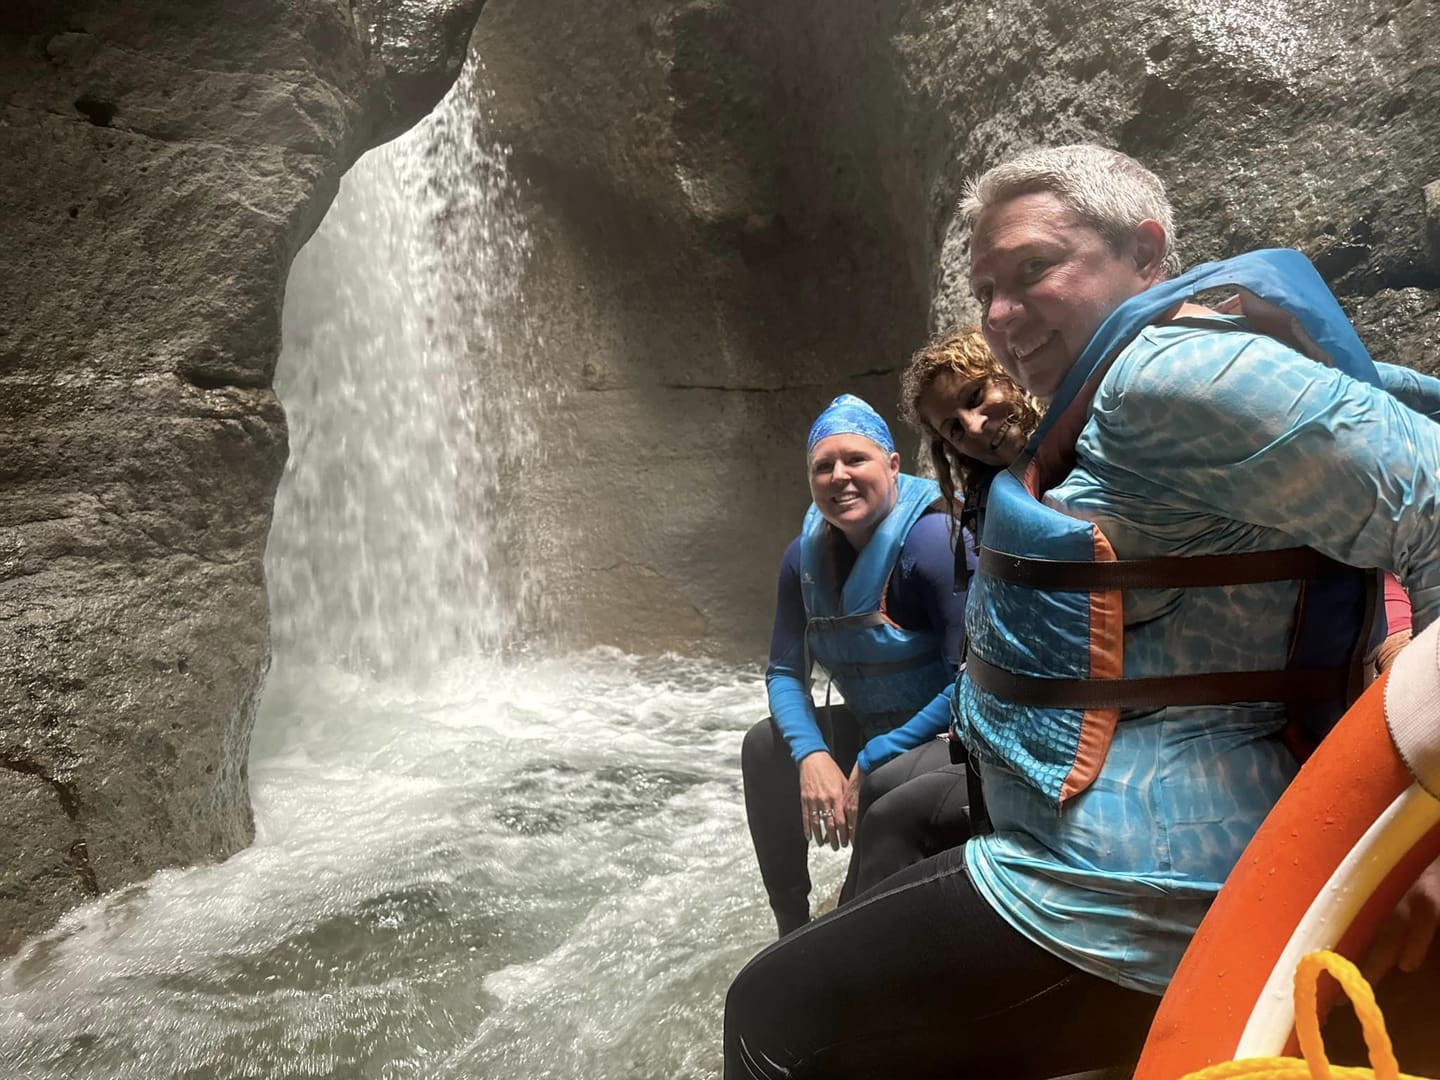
[(823, 801), (1405, 937)]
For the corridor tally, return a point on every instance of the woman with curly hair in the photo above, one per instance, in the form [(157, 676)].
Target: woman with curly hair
[(974, 418), (974, 421)]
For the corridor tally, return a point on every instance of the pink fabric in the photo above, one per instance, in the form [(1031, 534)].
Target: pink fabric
[(1397, 606)]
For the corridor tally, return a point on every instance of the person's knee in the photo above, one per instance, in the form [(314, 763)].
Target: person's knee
[(880, 783), (890, 837), (759, 747), (739, 1001), (749, 1010), (894, 774), (884, 816), (737, 998), (889, 827)]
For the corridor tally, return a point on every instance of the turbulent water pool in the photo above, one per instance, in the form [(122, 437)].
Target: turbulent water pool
[(530, 869)]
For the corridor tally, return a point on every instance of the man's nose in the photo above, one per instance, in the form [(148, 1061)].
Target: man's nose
[(973, 421), (1004, 307)]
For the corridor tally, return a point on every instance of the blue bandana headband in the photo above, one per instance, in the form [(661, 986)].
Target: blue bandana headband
[(850, 415)]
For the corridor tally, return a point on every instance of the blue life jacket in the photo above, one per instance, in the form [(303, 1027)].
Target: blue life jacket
[(1044, 681), (887, 674)]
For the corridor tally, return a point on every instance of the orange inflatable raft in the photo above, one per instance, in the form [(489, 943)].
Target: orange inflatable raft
[(1350, 835)]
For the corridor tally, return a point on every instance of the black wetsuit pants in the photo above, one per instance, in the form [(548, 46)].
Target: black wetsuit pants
[(910, 808), (772, 808), (921, 979)]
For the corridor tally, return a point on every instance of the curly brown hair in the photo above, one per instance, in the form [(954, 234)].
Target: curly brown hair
[(964, 354)]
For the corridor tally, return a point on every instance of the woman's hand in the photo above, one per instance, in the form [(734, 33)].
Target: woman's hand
[(852, 799), (822, 801)]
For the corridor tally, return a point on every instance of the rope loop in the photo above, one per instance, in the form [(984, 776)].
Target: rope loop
[(1315, 1065)]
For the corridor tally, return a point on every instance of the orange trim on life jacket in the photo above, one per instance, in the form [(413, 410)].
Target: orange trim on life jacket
[(1107, 661)]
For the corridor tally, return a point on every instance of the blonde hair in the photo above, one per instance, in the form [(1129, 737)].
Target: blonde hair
[(964, 354)]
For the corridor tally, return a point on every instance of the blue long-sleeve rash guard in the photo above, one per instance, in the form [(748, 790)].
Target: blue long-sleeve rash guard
[(920, 595), (1417, 392)]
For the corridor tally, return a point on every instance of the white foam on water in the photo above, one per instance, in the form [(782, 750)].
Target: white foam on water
[(540, 869)]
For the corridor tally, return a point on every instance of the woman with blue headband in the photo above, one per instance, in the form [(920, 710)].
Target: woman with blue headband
[(867, 591)]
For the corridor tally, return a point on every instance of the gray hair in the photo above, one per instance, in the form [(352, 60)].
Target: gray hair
[(1112, 192)]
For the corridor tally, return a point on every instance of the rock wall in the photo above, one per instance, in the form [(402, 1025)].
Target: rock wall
[(709, 270), (742, 208), (161, 161)]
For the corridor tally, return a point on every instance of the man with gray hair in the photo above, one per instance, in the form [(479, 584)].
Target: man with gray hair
[(1166, 588), (1103, 212), (1243, 477)]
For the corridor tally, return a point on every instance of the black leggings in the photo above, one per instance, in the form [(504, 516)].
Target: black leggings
[(772, 808), (910, 808), (922, 979)]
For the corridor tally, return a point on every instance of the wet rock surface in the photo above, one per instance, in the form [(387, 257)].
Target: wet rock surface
[(743, 208), (160, 164)]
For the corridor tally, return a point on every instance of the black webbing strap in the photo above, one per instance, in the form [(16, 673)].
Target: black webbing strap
[(831, 622), (834, 622), (974, 788), (1168, 572), (871, 671), (1217, 688), (1358, 655)]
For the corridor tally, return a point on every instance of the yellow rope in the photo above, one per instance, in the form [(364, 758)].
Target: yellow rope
[(1316, 1066)]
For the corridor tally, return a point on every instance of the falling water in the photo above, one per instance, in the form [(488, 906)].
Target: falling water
[(470, 862), (404, 379)]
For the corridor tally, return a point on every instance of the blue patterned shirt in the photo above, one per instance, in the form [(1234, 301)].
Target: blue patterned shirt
[(1203, 442)]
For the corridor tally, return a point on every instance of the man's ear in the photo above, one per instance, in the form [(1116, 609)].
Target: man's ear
[(1150, 246)]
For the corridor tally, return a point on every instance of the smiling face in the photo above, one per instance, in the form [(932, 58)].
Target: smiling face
[(854, 484), (978, 417), (1046, 280)]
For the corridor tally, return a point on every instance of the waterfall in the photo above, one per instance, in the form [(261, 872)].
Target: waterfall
[(408, 400)]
